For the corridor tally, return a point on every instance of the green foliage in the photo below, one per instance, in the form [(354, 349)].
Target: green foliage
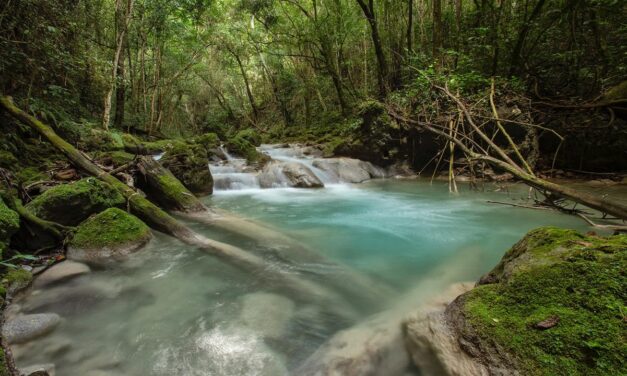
[(9, 224), (111, 227), (578, 278)]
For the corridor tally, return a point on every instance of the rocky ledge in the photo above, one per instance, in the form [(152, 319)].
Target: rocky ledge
[(554, 305)]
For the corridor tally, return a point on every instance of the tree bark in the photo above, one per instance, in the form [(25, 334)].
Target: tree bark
[(382, 65), (119, 44), (516, 56)]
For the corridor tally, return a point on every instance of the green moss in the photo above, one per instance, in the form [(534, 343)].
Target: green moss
[(69, 204), (244, 148), (18, 276), (99, 139), (109, 228), (208, 140), (4, 369), (9, 224), (117, 158), (580, 279), (30, 175), (7, 159), (251, 135)]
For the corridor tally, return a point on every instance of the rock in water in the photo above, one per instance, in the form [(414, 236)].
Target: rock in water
[(61, 272), (432, 344), (349, 170), (266, 314), (290, 174), (109, 236), (28, 327), (38, 370)]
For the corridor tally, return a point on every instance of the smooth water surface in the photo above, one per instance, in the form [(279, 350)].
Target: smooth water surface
[(174, 310)]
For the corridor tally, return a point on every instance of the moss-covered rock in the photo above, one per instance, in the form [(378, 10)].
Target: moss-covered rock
[(555, 305), (70, 204), (108, 236), (115, 158), (208, 140), (99, 139), (240, 146), (9, 224), (189, 163)]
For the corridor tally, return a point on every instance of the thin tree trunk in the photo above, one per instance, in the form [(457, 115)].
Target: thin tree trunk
[(515, 60), (119, 44), (382, 65), (410, 26)]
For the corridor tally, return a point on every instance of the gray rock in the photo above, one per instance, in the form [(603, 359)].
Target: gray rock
[(61, 272), (349, 170), (288, 174), (38, 370), (28, 327)]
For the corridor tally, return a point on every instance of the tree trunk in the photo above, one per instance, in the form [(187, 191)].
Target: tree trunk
[(516, 56), (410, 27), (382, 65), (119, 44), (120, 90), (437, 29)]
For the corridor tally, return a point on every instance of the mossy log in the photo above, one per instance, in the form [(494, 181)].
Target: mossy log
[(164, 188), (162, 221)]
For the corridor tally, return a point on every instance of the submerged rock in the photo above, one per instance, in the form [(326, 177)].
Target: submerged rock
[(109, 236), (38, 370), (28, 327), (61, 272), (290, 174), (349, 170), (266, 314), (70, 204)]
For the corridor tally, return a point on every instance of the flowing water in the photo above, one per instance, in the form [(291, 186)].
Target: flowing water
[(174, 310)]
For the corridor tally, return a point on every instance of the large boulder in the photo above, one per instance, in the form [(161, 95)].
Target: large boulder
[(70, 204), (108, 236), (9, 224), (349, 170), (189, 163), (551, 306), (28, 327), (288, 174)]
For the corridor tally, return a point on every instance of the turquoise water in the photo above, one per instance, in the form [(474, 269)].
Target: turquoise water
[(397, 230), (174, 310)]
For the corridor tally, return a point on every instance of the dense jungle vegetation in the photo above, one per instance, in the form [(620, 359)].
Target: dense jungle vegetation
[(307, 70)]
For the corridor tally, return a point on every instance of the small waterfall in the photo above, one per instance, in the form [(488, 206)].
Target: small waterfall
[(233, 174), (297, 154), (291, 166)]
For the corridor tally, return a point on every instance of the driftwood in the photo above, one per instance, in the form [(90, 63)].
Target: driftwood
[(475, 151)]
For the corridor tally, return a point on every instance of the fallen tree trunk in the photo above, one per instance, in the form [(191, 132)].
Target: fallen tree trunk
[(162, 221), (161, 186)]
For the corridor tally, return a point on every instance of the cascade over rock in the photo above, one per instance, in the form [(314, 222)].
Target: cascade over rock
[(290, 174)]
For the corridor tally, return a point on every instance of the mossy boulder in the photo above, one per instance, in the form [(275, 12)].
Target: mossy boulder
[(70, 204), (108, 236), (372, 136), (208, 140), (99, 139), (242, 147), (189, 163), (9, 224), (555, 305)]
